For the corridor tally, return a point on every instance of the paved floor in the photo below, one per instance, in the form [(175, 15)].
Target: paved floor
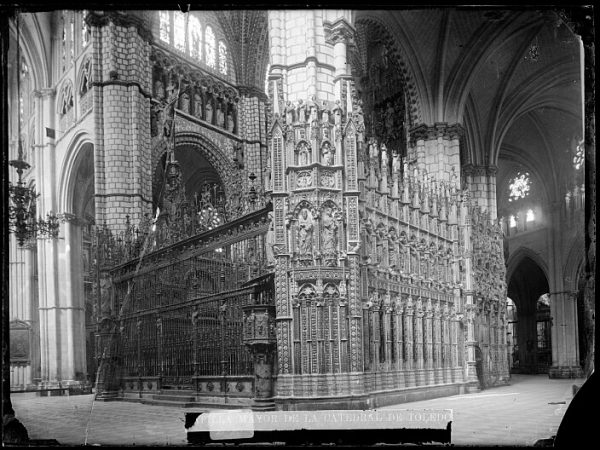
[(519, 414)]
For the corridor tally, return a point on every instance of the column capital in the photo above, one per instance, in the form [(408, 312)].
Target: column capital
[(339, 31), (44, 92)]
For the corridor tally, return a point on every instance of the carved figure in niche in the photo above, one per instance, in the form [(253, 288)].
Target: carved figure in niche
[(209, 111), (389, 119), (230, 121), (153, 122), (301, 111), (329, 231), (171, 91), (105, 296), (325, 117), (305, 232), (268, 172), (338, 114), (220, 115), (270, 241), (384, 159), (184, 103), (396, 162), (313, 116), (327, 155), (392, 247), (159, 91), (198, 106), (304, 156), (289, 113), (414, 266), (326, 134)]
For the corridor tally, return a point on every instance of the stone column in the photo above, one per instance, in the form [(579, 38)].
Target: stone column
[(418, 340), (48, 253), (408, 342), (563, 308), (428, 344), (458, 373), (437, 344), (107, 339), (121, 90), (260, 339), (446, 345)]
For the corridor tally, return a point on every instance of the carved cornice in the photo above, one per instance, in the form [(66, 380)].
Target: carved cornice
[(479, 171), (179, 67), (45, 92), (101, 18), (339, 31), (252, 91), (439, 129)]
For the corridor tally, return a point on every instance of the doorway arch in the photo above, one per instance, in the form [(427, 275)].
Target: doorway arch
[(528, 288)]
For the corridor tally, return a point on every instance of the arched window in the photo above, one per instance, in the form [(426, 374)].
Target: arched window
[(579, 157), (165, 27), (85, 31), (25, 90), (179, 31), (195, 38), (512, 221), (222, 58), (66, 99), (85, 78), (210, 47), (530, 217), (72, 37), (63, 43)]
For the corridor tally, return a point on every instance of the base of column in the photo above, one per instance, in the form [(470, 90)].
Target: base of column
[(565, 372), (263, 404)]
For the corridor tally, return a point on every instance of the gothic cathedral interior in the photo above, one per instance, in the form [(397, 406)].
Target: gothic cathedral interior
[(293, 209)]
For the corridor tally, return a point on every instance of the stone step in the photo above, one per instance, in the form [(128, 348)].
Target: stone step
[(159, 402), (175, 398), (180, 404)]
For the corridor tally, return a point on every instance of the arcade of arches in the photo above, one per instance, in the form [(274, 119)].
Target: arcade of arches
[(292, 207)]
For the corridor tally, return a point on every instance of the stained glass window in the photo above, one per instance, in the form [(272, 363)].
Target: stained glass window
[(530, 217), (64, 42), (210, 47), (579, 157), (519, 187), (179, 31), (165, 26), (24, 93), (512, 221), (222, 58), (85, 30), (72, 38), (195, 38)]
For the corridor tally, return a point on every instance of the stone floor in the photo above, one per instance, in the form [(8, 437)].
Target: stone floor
[(527, 410)]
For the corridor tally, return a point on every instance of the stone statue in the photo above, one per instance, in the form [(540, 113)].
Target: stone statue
[(327, 155), (220, 115), (159, 91), (209, 112), (184, 103), (105, 296), (289, 113), (230, 121), (303, 155), (305, 232), (329, 232), (198, 106), (270, 241)]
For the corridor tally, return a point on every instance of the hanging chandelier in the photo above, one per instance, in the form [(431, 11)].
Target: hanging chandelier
[(22, 211)]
